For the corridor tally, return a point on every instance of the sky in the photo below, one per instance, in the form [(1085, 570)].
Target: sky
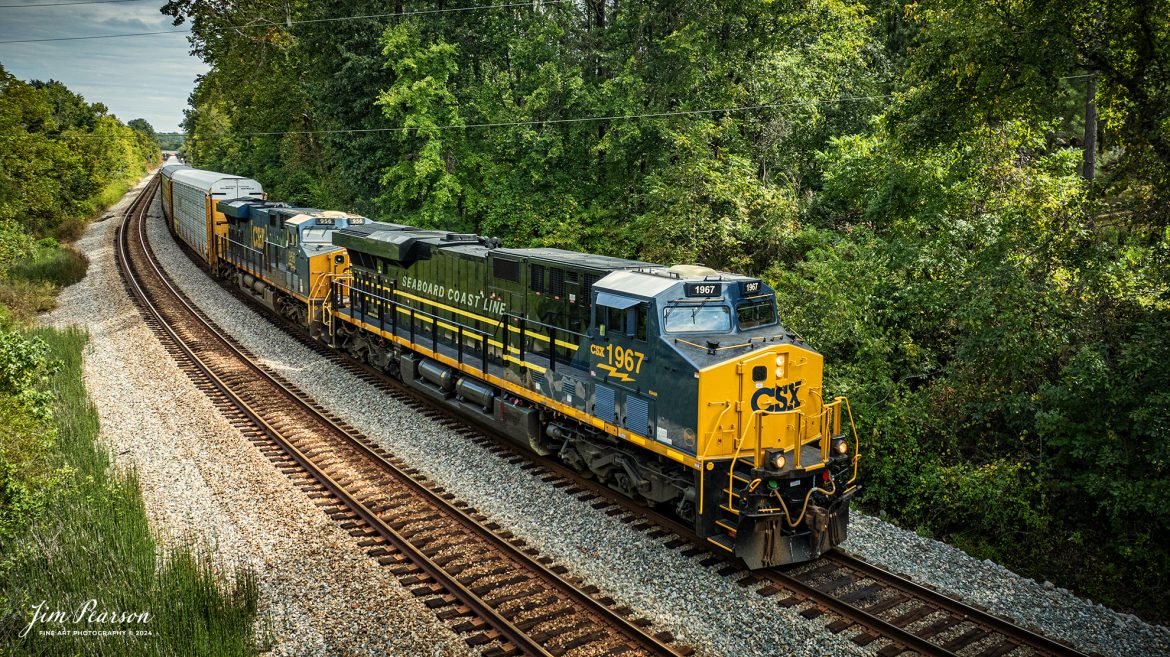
[(146, 77)]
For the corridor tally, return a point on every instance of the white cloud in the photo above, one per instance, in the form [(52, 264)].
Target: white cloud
[(142, 76)]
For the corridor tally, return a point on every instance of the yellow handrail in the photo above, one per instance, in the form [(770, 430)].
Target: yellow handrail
[(735, 459), (828, 425)]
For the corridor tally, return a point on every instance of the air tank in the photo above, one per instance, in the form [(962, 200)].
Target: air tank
[(437, 373), (473, 390)]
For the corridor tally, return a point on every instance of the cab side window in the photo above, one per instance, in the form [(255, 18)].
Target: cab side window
[(637, 321), (630, 322), (615, 320)]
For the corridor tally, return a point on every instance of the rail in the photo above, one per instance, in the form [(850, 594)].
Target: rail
[(259, 396)]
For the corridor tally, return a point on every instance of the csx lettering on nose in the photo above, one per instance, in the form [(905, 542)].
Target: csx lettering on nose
[(782, 398)]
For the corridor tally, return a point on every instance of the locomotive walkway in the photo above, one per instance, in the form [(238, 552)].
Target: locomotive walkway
[(502, 595)]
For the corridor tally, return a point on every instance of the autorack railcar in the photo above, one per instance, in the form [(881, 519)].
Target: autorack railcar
[(189, 203)]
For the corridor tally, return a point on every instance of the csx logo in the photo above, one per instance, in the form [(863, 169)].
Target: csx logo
[(777, 400)]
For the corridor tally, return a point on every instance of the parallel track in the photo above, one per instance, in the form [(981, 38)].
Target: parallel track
[(502, 596), (873, 606)]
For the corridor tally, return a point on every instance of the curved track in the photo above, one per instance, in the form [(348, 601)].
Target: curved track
[(504, 597), (874, 607)]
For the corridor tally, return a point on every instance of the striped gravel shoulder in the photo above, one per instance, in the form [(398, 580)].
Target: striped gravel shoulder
[(204, 482), (700, 607)]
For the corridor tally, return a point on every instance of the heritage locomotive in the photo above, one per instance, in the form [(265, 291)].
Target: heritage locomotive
[(674, 385)]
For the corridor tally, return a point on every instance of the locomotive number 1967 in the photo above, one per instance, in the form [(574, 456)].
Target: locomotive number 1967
[(619, 358)]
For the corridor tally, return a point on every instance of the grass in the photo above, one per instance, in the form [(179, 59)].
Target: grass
[(93, 541), (31, 286), (60, 265)]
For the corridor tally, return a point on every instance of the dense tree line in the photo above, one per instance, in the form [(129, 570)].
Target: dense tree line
[(62, 158), (964, 205)]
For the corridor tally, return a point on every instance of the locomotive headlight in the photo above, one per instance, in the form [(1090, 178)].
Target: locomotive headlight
[(841, 447), (777, 461), (781, 361)]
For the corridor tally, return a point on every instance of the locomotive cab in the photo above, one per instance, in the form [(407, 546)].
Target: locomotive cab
[(699, 358)]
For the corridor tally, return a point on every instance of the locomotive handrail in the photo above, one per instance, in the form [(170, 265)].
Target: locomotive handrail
[(567, 345), (246, 262), (856, 439), (551, 338), (828, 425), (395, 307), (540, 323), (398, 305), (726, 407)]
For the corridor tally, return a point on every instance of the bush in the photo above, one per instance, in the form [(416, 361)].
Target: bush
[(27, 436), (33, 282)]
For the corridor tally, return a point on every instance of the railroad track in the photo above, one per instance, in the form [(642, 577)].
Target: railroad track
[(501, 595), (873, 607)]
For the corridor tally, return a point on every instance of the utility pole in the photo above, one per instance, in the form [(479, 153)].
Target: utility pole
[(1089, 168)]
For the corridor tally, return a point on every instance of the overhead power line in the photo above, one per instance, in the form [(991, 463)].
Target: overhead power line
[(580, 119), (290, 23), (67, 4), (96, 36), (543, 122)]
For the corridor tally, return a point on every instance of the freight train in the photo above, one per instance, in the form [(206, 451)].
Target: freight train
[(675, 385)]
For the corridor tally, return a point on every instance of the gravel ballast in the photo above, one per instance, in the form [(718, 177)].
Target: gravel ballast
[(1039, 606), (699, 606), (204, 482)]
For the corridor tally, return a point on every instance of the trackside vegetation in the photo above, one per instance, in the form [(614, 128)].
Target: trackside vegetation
[(90, 540), (964, 205), (73, 527)]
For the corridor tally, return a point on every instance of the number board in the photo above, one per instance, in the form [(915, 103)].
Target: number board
[(355, 221), (749, 287), (325, 221), (702, 289)]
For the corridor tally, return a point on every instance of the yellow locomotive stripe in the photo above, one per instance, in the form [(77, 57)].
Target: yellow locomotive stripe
[(612, 429), (485, 320), (481, 318), (477, 338)]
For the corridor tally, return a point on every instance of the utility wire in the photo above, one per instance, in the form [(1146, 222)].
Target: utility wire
[(96, 36), (297, 22), (580, 119), (544, 122), (67, 4)]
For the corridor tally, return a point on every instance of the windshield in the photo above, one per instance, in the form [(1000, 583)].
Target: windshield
[(751, 314), (696, 318), (316, 234)]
